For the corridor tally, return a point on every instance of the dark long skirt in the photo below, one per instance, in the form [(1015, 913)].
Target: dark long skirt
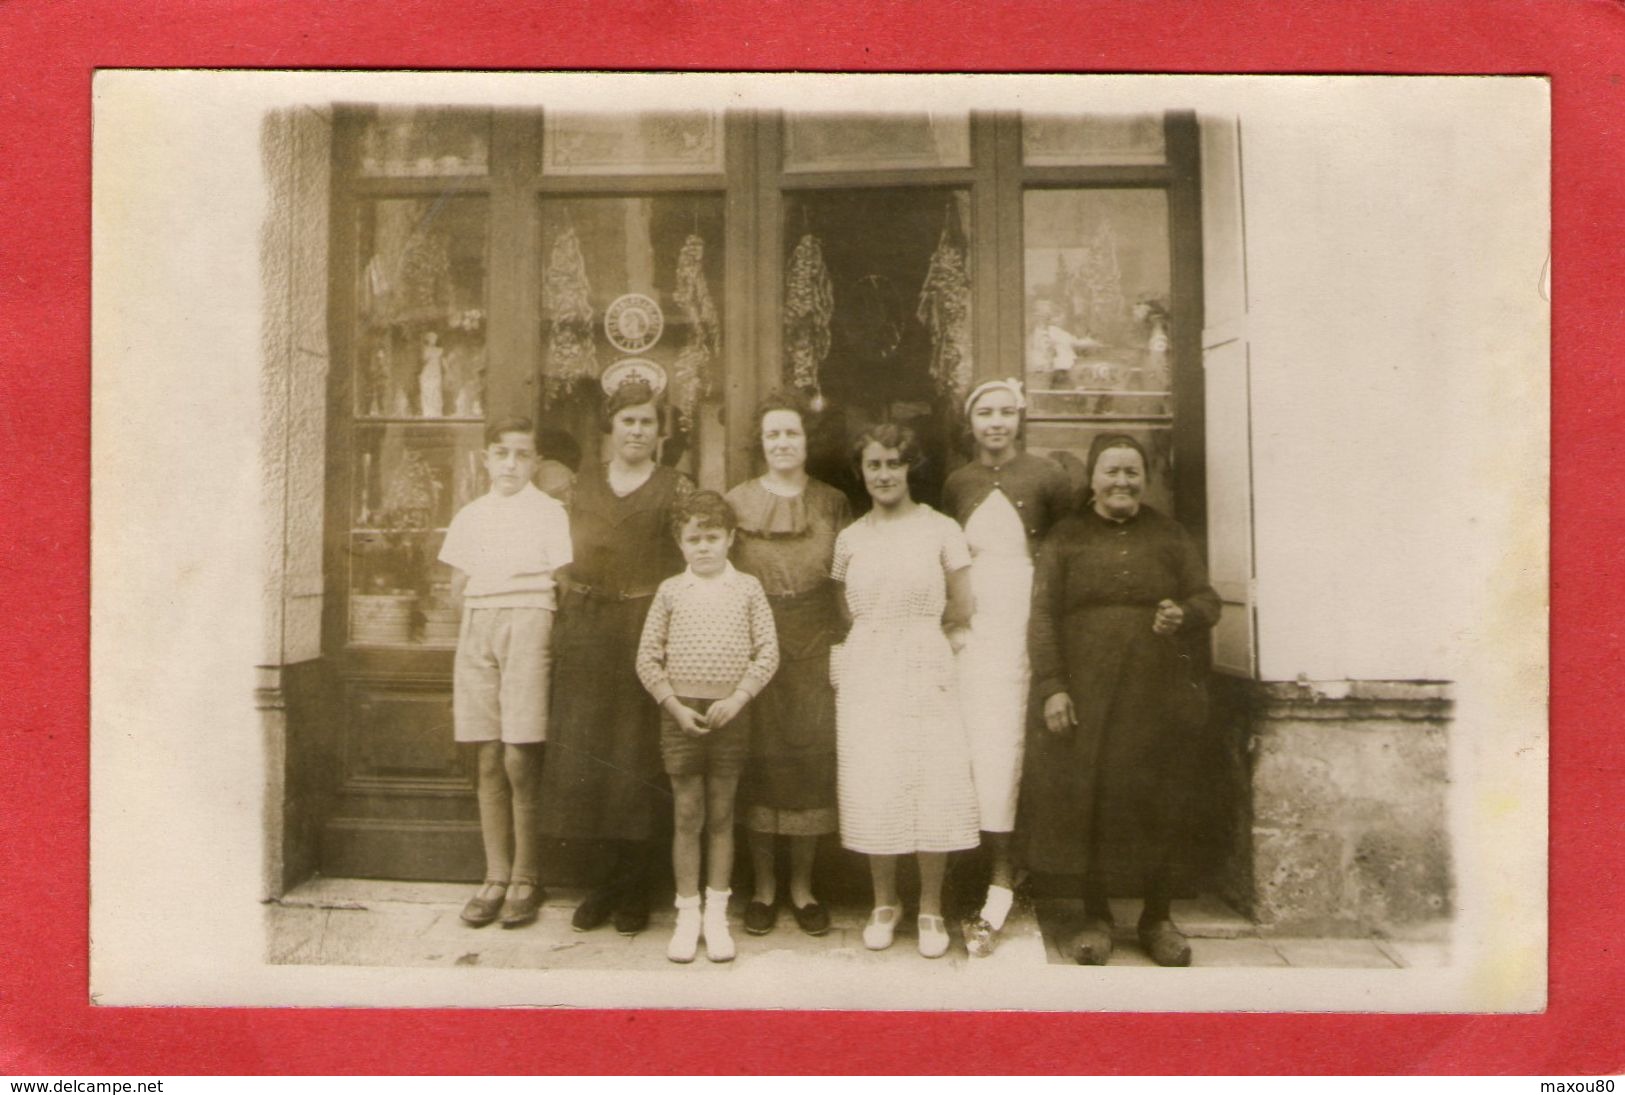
[(603, 779), (792, 757), (1116, 793)]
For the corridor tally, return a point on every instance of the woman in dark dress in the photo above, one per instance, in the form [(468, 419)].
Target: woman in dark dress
[(603, 778), (1121, 609), (788, 522)]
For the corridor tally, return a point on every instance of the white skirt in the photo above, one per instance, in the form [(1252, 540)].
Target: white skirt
[(993, 683)]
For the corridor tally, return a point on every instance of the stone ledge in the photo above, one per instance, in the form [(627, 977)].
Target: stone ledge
[(1410, 701)]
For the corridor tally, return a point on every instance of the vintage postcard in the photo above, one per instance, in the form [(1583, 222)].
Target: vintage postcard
[(828, 542)]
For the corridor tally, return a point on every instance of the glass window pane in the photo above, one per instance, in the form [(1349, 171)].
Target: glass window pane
[(629, 283), (421, 342), (1096, 287), (1067, 443), (868, 142), (1098, 356), (877, 319), (1085, 139), (425, 141), (409, 481), (656, 143), (419, 411)]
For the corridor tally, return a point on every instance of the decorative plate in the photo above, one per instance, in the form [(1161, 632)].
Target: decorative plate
[(633, 368), (633, 323)]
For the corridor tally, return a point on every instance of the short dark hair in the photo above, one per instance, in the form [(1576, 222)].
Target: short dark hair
[(707, 507), (888, 435), (632, 393), (511, 424), (783, 401)]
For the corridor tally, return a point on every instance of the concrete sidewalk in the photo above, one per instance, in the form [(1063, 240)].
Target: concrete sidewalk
[(357, 922)]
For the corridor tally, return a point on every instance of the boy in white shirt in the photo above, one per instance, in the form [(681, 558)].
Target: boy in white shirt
[(504, 548)]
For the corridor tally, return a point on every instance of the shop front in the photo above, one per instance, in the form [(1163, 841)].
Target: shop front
[(429, 269)]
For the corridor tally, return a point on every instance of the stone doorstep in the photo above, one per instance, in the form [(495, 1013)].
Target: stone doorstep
[(415, 923), (1204, 917)]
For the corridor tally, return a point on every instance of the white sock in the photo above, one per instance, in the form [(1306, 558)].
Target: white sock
[(997, 906), (685, 937), (719, 942)]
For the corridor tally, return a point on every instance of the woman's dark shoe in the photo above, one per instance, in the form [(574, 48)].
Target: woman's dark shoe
[(523, 903), (1165, 943), (595, 909), (1093, 945), (631, 915), (485, 906), (812, 918), (760, 917)]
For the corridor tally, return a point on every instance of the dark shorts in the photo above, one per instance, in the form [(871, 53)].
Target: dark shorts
[(719, 753)]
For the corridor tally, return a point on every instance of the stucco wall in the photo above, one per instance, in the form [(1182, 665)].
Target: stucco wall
[(295, 145), (1394, 250), (293, 384)]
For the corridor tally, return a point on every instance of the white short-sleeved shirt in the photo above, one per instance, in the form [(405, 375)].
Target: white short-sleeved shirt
[(509, 546)]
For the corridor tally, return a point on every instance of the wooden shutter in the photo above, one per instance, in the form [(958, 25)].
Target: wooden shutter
[(1226, 379)]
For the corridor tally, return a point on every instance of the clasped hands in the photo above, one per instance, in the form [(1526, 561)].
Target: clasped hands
[(699, 723)]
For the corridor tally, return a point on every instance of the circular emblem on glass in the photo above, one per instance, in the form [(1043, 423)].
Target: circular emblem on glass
[(633, 323), (633, 368)]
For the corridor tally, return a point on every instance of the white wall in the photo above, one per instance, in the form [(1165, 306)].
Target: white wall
[(1394, 249), (293, 384)]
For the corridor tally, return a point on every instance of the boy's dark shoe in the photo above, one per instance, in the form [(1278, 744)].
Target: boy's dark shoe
[(523, 904), (485, 906)]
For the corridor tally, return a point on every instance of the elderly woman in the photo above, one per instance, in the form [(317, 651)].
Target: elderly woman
[(788, 522), (903, 766), (1121, 605), (603, 778), (1006, 500)]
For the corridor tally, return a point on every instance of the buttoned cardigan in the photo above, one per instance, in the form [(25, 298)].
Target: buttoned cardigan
[(1036, 486)]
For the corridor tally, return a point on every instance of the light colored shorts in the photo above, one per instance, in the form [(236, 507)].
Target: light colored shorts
[(500, 682)]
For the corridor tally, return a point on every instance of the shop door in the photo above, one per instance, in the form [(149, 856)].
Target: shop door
[(406, 439), (858, 327)]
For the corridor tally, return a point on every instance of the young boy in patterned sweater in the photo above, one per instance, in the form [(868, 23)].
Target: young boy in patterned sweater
[(708, 648)]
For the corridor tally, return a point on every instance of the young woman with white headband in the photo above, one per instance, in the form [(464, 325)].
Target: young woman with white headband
[(1006, 500)]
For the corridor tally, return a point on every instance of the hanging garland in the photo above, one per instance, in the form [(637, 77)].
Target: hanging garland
[(809, 305), (567, 296), (945, 310), (691, 373)]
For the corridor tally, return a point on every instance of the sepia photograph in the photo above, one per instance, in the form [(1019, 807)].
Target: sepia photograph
[(1044, 543)]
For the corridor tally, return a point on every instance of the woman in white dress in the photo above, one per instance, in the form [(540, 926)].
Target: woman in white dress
[(902, 761), (1006, 500)]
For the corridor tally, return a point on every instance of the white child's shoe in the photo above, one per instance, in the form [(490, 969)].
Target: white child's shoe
[(882, 926), (719, 943), (933, 941), (685, 938)]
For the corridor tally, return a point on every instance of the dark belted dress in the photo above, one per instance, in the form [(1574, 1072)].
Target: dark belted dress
[(1123, 779), (787, 543), (603, 778)]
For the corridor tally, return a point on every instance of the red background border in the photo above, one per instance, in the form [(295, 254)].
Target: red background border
[(49, 52)]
